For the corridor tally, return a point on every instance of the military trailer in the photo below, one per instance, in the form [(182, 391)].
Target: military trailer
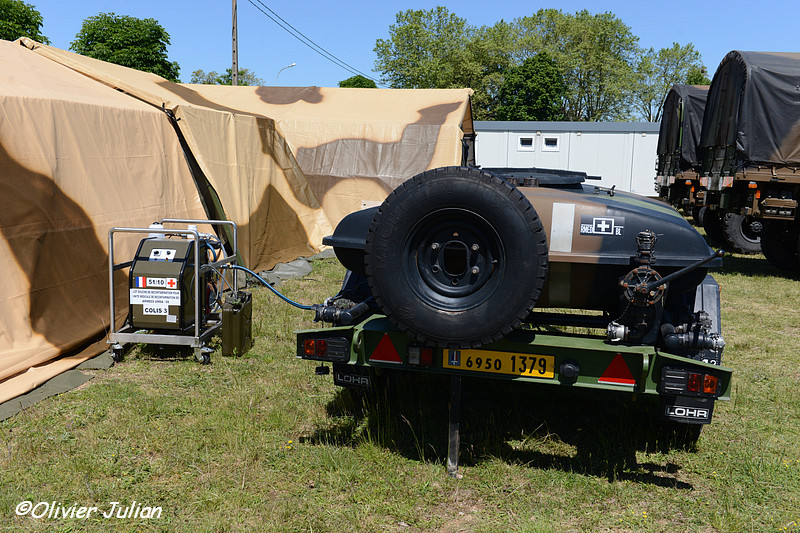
[(750, 146), (529, 275)]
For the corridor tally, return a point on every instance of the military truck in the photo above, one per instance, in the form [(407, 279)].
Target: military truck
[(750, 149), (679, 170), (530, 275), (678, 161)]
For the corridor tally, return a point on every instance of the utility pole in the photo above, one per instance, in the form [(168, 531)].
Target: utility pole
[(235, 67)]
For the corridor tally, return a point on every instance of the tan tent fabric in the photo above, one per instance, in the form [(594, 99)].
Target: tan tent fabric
[(76, 158), (352, 145), (242, 154), (357, 145)]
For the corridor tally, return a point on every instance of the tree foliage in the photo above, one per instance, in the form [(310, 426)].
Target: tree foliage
[(697, 75), (531, 91), (128, 41), (246, 77), (359, 82), (424, 49), (656, 72), (595, 54), (18, 19), (606, 75)]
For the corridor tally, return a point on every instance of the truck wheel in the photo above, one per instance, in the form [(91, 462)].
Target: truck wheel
[(742, 233), (698, 212), (456, 257), (712, 223), (779, 244)]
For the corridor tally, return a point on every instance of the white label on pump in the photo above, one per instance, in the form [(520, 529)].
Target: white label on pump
[(142, 282), (150, 309), (155, 297)]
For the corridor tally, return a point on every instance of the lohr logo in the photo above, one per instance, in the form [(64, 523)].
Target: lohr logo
[(693, 413), (352, 380)]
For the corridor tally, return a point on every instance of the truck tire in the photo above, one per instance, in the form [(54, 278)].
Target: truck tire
[(698, 213), (456, 257), (742, 234), (712, 223), (779, 244)]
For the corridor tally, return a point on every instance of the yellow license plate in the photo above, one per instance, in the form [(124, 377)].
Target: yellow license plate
[(515, 364)]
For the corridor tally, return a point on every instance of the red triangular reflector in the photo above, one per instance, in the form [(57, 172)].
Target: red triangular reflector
[(617, 373), (385, 352)]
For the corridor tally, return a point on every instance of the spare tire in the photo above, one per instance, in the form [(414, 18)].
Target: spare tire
[(456, 257)]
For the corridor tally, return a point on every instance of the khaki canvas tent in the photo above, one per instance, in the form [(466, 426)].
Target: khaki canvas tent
[(87, 145), (357, 145)]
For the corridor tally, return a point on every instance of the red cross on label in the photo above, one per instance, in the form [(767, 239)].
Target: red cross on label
[(171, 283)]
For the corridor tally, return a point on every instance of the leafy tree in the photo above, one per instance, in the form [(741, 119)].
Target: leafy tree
[(531, 91), (595, 54), (18, 19), (436, 49), (656, 72), (358, 81), (128, 41), (246, 77), (425, 50), (697, 75), (489, 56)]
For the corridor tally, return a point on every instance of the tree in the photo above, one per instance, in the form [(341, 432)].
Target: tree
[(697, 75), (128, 41), (595, 54), (424, 50), (436, 49), (359, 82), (18, 19), (246, 77), (531, 91), (656, 72)]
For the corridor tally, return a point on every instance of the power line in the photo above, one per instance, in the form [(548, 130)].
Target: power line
[(297, 34)]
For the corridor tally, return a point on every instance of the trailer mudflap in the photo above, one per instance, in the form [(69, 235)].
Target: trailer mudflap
[(687, 410), (352, 376)]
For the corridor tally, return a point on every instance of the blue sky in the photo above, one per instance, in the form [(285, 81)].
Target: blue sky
[(200, 30)]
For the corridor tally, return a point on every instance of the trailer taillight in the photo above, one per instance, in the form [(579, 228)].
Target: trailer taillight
[(681, 381), (694, 382), (323, 346), (315, 347), (710, 384)]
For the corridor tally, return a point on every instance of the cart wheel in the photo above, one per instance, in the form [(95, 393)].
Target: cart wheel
[(202, 356), (116, 354)]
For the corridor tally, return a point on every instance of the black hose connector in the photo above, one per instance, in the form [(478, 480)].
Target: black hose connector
[(336, 315), (679, 343)]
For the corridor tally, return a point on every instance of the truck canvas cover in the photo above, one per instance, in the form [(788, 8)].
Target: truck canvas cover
[(681, 124), (753, 111)]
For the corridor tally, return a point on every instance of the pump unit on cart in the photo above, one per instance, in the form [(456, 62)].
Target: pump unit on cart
[(178, 292)]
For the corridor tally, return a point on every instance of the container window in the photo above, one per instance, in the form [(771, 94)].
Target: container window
[(525, 144), (550, 144)]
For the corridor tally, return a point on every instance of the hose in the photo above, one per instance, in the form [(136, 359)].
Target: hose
[(273, 289)]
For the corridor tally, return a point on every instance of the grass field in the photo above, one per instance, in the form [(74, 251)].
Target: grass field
[(259, 443)]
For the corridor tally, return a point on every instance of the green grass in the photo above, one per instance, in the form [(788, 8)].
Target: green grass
[(259, 443)]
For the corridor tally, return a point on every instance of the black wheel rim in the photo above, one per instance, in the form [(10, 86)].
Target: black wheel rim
[(453, 259), (751, 230)]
